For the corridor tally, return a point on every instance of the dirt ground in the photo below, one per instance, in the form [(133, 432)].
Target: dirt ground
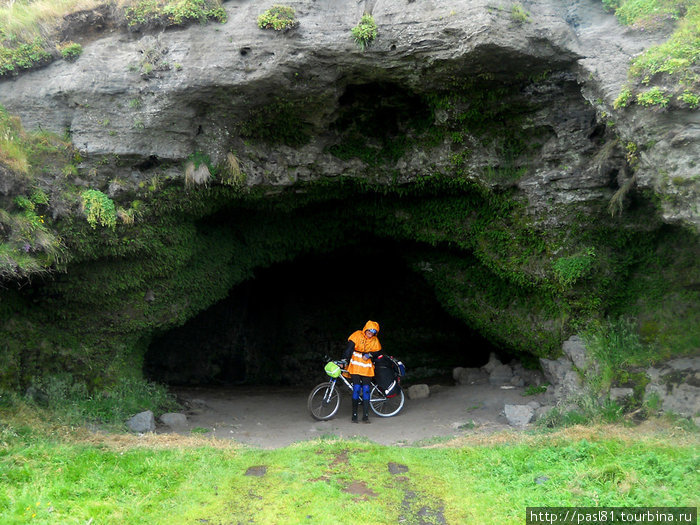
[(269, 417)]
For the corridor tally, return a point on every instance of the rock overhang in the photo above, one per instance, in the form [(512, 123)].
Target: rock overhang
[(132, 126)]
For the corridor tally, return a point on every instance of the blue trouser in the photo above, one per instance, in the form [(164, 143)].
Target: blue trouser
[(360, 384)]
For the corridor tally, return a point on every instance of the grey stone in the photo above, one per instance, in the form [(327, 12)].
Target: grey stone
[(519, 415), (174, 420), (493, 363), (575, 349), (571, 385), (532, 377), (682, 399), (684, 363), (555, 369), (517, 381), (471, 376), (142, 422), (676, 385), (501, 375), (617, 393), (421, 391), (542, 411)]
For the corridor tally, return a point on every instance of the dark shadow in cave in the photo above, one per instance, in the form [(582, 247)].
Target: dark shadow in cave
[(276, 328)]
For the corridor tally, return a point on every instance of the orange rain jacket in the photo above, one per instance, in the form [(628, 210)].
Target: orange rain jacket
[(363, 345)]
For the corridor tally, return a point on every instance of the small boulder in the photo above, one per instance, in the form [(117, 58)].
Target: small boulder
[(501, 375), (532, 377), (519, 415), (493, 363), (576, 350), (517, 381), (174, 420), (555, 369), (617, 394), (418, 391), (471, 376), (142, 422)]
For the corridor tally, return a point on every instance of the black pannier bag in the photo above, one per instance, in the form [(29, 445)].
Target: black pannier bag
[(388, 373)]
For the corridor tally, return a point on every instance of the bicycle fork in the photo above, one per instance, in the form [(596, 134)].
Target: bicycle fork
[(329, 392)]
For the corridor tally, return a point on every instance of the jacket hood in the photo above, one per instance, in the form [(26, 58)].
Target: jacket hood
[(371, 324)]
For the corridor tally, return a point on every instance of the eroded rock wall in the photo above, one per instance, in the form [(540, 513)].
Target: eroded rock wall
[(137, 103), (489, 139)]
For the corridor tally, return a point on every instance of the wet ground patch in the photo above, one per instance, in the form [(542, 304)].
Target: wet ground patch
[(416, 508)]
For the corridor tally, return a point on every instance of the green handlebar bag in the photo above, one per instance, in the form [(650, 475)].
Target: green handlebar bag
[(332, 369)]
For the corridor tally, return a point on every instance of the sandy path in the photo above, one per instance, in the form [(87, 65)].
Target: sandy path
[(276, 417)]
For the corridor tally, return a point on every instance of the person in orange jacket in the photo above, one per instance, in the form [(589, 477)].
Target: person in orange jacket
[(363, 347)]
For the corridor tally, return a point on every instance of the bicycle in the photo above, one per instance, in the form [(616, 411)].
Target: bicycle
[(324, 399)]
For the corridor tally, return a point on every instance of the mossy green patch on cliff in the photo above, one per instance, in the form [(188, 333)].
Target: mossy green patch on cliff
[(489, 265), (29, 243), (279, 122), (672, 63), (378, 123), (32, 35), (149, 13)]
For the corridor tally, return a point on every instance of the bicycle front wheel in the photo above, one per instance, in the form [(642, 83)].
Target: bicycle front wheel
[(385, 406), (324, 401)]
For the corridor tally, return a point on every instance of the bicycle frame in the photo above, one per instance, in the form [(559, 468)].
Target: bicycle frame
[(324, 400), (333, 381)]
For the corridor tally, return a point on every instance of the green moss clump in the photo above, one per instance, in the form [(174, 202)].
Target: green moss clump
[(673, 62), (21, 56), (70, 51), (279, 18), (155, 13), (99, 209), (365, 32)]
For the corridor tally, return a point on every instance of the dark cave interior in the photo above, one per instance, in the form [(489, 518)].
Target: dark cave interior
[(278, 328)]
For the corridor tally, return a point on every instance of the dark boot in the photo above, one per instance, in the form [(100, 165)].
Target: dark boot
[(355, 404), (365, 410)]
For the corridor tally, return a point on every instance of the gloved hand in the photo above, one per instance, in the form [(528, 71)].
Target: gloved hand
[(366, 356)]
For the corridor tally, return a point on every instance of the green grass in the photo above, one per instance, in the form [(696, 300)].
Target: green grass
[(673, 62), (70, 402), (615, 345), (74, 477), (30, 31)]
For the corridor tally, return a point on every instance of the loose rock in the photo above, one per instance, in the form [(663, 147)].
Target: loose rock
[(142, 422)]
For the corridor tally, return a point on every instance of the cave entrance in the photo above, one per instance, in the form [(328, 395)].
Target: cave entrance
[(276, 328)]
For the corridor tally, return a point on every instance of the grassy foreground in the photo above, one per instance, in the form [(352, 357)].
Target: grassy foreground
[(59, 475)]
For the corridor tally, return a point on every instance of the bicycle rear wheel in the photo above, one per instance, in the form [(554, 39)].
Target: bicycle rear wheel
[(385, 406), (324, 401)]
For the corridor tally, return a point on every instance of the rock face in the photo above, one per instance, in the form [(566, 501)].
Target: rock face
[(676, 384), (495, 140), (137, 104)]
